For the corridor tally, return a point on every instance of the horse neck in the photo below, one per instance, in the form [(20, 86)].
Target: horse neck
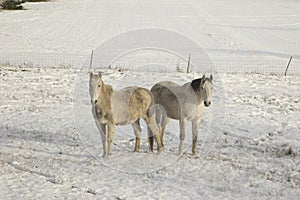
[(199, 97), (197, 93), (106, 91)]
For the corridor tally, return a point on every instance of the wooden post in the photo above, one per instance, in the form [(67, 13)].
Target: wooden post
[(188, 67), (288, 66), (91, 61)]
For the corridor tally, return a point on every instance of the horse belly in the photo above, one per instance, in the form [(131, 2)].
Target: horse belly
[(121, 115), (166, 98), (172, 108), (120, 109)]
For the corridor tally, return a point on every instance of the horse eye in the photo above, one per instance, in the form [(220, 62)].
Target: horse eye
[(99, 85)]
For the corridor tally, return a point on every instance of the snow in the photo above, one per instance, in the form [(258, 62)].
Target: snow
[(248, 143)]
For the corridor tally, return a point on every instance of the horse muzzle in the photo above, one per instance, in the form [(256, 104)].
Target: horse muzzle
[(93, 102), (207, 103)]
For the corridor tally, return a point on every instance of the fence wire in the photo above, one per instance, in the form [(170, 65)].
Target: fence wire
[(42, 59), (223, 63)]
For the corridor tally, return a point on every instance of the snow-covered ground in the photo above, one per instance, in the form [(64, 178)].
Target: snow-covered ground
[(249, 140)]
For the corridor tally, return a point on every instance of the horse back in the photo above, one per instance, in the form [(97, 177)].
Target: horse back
[(131, 103)]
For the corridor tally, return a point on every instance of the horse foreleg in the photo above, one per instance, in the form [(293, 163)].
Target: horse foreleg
[(110, 137), (137, 131), (150, 138), (182, 125), (102, 129), (161, 120), (195, 127)]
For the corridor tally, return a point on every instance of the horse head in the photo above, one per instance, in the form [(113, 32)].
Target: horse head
[(204, 85), (96, 85)]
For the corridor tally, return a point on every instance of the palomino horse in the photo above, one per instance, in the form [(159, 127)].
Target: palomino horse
[(184, 103), (121, 107)]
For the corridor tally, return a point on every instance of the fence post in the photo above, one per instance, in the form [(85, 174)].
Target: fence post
[(188, 67), (288, 66), (91, 61)]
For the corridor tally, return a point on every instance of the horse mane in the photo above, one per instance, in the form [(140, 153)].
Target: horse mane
[(195, 84), (107, 89), (105, 100)]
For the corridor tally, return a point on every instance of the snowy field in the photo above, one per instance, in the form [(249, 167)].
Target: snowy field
[(249, 140)]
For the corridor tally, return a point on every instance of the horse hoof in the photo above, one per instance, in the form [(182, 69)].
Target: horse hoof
[(195, 154), (160, 149)]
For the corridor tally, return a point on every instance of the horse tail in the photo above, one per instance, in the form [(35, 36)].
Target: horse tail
[(158, 114), (153, 107), (157, 110), (152, 103)]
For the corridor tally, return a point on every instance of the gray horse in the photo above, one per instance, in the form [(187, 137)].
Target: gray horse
[(184, 103), (121, 107)]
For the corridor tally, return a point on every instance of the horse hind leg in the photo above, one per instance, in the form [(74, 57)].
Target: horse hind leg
[(164, 122), (150, 138), (150, 113), (137, 131), (161, 119), (153, 131)]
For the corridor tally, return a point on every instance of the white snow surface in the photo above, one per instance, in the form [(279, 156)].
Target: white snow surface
[(248, 142)]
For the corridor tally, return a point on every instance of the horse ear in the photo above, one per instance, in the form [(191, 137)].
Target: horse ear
[(211, 77), (195, 84), (100, 75), (91, 74), (202, 79)]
